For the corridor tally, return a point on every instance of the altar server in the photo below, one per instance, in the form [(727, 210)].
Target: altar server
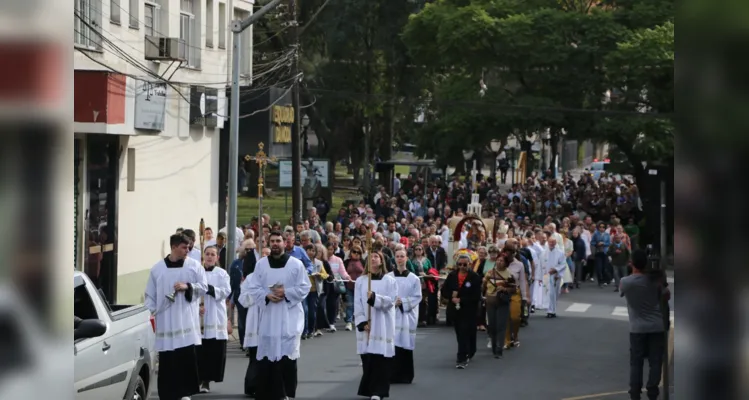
[(555, 265), (406, 319), (278, 286), (171, 295), (375, 338), (212, 351), (250, 331)]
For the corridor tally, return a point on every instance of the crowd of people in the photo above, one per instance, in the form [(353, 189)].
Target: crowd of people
[(381, 267)]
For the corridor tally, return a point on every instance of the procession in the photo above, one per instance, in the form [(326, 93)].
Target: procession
[(384, 278)]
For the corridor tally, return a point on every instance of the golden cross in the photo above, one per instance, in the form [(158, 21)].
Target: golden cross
[(261, 159)]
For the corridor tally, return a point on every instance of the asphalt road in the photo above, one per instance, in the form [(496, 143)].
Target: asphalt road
[(582, 354)]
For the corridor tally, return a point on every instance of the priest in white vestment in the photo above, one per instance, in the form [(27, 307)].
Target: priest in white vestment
[(555, 265), (171, 296), (406, 319), (278, 286), (250, 332), (375, 339), (212, 351)]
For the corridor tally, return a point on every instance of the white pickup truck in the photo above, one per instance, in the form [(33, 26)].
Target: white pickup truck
[(114, 347)]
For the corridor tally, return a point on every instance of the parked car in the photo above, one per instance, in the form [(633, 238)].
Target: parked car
[(113, 346)]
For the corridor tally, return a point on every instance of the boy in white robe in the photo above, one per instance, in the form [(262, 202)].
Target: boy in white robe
[(171, 296), (250, 332), (375, 340), (278, 286), (406, 319), (212, 351)]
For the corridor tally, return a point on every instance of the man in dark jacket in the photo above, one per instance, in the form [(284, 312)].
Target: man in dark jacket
[(462, 288)]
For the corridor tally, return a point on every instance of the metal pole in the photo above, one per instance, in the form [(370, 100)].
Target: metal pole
[(664, 244), (260, 185), (231, 224), (296, 155), (665, 308), (365, 164)]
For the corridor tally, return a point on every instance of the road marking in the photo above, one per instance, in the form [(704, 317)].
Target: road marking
[(596, 396), (578, 307), (620, 312)]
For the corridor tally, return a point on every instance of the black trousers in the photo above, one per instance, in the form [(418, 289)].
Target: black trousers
[(375, 380), (212, 360), (465, 332), (650, 346), (250, 377), (276, 380), (178, 373), (402, 366), (433, 307), (332, 306), (322, 312), (242, 316)]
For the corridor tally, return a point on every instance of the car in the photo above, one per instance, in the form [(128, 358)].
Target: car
[(114, 354)]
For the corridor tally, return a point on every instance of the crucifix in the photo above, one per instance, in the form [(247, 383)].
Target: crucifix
[(261, 159), (474, 172)]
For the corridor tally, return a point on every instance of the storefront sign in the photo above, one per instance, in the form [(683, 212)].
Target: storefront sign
[(282, 118), (150, 105)]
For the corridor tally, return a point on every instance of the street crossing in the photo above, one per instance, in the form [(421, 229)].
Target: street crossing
[(595, 310)]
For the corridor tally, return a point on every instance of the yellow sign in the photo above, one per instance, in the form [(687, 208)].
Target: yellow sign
[(282, 118)]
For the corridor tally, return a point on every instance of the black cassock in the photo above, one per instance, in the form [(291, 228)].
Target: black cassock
[(178, 373), (250, 377), (375, 380), (276, 380), (212, 360), (402, 366)]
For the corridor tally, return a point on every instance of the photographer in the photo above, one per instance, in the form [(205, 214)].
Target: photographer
[(645, 291)]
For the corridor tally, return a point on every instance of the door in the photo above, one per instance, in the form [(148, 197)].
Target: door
[(102, 167)]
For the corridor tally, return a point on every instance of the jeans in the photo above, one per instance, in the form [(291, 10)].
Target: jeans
[(497, 315), (602, 271), (306, 313), (571, 266), (311, 315), (322, 311), (642, 346), (578, 271), (331, 306), (242, 316), (620, 271), (349, 306)]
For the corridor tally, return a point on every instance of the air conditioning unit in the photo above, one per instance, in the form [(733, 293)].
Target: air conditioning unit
[(165, 48)]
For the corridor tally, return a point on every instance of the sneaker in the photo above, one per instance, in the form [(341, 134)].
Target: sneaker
[(374, 398), (205, 388), (331, 328), (317, 333), (304, 336), (460, 365), (489, 344), (349, 327)]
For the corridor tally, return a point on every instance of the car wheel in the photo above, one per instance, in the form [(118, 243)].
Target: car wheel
[(140, 389)]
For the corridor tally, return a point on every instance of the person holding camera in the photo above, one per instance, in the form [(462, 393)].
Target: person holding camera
[(645, 291)]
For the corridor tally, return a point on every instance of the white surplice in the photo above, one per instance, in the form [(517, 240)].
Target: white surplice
[(409, 291), (178, 322), (253, 314), (215, 316), (382, 328), (281, 324)]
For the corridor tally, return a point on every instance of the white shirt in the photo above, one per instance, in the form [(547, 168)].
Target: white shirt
[(177, 323), (281, 324), (406, 320), (251, 328), (215, 316), (381, 338)]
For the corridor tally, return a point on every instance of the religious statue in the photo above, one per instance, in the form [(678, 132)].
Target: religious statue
[(312, 184)]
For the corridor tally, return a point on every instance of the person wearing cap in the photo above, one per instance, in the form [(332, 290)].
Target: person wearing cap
[(462, 288)]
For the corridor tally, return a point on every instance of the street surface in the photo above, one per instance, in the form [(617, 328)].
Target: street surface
[(582, 354)]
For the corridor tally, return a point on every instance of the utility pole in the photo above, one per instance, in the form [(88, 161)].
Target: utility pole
[(237, 27), (296, 154)]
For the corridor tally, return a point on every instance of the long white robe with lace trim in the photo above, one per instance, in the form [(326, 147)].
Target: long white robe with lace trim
[(409, 291), (253, 314), (215, 316), (178, 322), (281, 324), (382, 328)]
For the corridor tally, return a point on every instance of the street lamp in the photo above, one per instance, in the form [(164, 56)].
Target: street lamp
[(496, 146), (305, 125), (468, 155)]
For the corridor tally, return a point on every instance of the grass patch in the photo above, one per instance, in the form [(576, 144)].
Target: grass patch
[(278, 205)]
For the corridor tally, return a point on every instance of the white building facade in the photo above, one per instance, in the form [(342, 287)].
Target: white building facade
[(149, 102)]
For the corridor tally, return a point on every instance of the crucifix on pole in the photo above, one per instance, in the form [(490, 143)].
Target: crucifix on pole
[(261, 159)]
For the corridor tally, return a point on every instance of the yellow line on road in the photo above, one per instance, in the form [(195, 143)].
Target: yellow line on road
[(596, 396)]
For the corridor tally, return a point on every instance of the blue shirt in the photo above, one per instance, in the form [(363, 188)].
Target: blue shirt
[(602, 238), (235, 277), (301, 255)]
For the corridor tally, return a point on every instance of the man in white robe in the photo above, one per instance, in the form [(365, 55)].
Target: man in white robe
[(194, 252), (250, 331), (555, 265), (278, 285), (406, 319), (172, 297)]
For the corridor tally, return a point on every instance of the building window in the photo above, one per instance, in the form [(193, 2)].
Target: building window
[(87, 24), (209, 23), (189, 31), (134, 12), (151, 19), (114, 11), (221, 25)]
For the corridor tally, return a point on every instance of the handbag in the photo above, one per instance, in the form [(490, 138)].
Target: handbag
[(501, 297)]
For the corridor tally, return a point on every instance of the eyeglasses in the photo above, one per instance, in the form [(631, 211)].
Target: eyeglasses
[(462, 264), (356, 252)]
